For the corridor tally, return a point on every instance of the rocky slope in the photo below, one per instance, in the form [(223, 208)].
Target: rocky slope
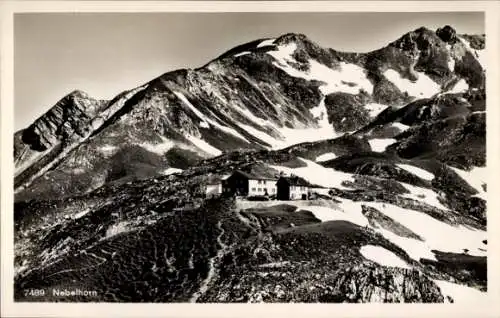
[(123, 241), (265, 94), (391, 141)]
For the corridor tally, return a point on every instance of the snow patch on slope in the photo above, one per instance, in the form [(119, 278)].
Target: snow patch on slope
[(250, 116), (346, 210), (423, 87), (160, 148), (171, 170), (267, 42), (317, 174), (295, 136), (275, 143), (34, 157), (291, 136), (437, 235), (329, 214), (117, 228), (205, 121), (242, 53), (319, 112), (451, 60), (424, 174), (422, 194), (380, 144), (81, 213), (460, 293), (348, 78), (325, 157), (374, 109), (476, 177), (480, 55), (460, 87), (204, 146), (400, 126), (382, 256), (107, 150)]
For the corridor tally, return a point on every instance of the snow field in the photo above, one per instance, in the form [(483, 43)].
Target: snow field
[(349, 78), (382, 256), (437, 235), (318, 174), (423, 87), (461, 294)]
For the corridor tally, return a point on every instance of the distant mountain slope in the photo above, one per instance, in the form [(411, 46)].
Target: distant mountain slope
[(266, 94), (449, 127)]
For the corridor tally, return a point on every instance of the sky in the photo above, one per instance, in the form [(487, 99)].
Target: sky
[(104, 54)]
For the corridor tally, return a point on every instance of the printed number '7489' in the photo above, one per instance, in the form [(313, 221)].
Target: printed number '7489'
[(34, 292)]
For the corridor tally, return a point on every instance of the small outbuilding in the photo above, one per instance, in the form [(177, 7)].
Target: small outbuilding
[(292, 188), (214, 185)]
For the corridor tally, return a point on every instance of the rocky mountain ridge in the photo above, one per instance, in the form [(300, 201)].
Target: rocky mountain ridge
[(265, 94)]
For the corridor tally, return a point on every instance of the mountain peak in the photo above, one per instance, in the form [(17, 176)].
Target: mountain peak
[(79, 94), (447, 33), (291, 37)]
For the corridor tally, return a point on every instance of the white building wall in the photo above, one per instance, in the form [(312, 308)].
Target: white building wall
[(257, 187), (214, 189), (296, 192)]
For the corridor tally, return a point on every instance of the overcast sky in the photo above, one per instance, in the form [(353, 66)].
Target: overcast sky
[(104, 54)]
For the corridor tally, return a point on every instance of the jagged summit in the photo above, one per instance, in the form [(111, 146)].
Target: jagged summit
[(291, 37), (80, 94), (447, 34)]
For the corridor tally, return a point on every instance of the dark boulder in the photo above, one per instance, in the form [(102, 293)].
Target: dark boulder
[(447, 34)]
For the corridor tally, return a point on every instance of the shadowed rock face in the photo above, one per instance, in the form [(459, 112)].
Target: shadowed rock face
[(71, 115), (447, 34)]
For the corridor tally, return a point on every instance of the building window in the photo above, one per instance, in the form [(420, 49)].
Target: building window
[(259, 189), (253, 189), (264, 181)]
